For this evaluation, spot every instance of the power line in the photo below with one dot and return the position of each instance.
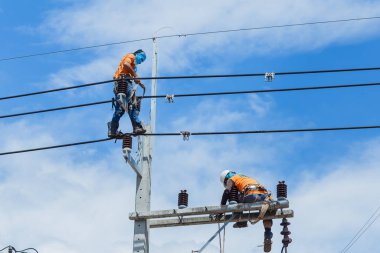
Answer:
(203, 134)
(322, 71)
(201, 94)
(190, 34)
(56, 146)
(54, 109)
(55, 90)
(362, 230)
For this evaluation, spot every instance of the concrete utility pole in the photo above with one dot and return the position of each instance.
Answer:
(144, 218)
(144, 168)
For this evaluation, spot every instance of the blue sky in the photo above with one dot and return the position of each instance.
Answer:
(59, 200)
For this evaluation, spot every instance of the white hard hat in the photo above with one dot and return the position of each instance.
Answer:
(223, 175)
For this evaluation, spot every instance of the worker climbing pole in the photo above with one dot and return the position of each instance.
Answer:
(125, 94)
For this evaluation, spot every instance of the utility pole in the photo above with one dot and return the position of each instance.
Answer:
(144, 166)
(144, 218)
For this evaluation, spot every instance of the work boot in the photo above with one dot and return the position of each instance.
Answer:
(112, 129)
(268, 241)
(138, 129)
(240, 224)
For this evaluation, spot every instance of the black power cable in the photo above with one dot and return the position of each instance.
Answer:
(206, 133)
(202, 94)
(199, 77)
(54, 109)
(190, 34)
(12, 249)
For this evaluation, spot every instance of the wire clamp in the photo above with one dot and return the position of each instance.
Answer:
(169, 98)
(269, 76)
(185, 135)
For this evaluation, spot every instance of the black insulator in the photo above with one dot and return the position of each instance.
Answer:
(10, 250)
(285, 232)
(282, 190)
(127, 141)
(285, 223)
(139, 104)
(183, 199)
(122, 86)
(234, 194)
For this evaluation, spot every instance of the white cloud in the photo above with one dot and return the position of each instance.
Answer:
(72, 201)
(260, 104)
(95, 21)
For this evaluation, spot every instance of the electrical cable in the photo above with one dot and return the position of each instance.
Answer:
(220, 240)
(55, 90)
(54, 109)
(20, 251)
(361, 231)
(188, 35)
(56, 146)
(322, 71)
(215, 234)
(204, 133)
(201, 94)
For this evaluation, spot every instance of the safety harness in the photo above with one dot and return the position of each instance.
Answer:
(266, 201)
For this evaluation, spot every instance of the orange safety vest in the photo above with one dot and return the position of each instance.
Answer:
(242, 182)
(131, 59)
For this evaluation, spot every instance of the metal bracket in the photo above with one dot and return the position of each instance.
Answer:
(169, 98)
(185, 135)
(269, 76)
(129, 159)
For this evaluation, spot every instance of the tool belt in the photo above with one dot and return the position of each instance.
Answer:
(254, 189)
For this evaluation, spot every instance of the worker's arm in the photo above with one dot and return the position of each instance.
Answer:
(230, 184)
(225, 197)
(133, 73)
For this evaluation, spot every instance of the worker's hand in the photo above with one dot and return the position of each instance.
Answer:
(137, 81)
(142, 86)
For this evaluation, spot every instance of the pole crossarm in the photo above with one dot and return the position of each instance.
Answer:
(210, 219)
(274, 205)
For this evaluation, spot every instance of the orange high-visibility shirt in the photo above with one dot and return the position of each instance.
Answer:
(242, 181)
(131, 59)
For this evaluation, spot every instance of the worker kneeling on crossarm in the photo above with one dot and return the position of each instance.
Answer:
(250, 191)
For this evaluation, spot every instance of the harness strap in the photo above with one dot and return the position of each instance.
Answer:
(253, 187)
(264, 209)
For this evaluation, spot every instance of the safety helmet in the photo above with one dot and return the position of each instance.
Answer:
(140, 56)
(223, 176)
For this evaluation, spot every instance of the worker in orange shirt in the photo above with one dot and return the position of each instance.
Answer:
(125, 93)
(250, 191)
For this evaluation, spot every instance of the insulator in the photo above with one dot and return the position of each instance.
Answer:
(285, 232)
(183, 199)
(282, 190)
(139, 104)
(122, 86)
(234, 197)
(127, 142)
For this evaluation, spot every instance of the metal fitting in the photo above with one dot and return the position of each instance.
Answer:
(269, 76)
(185, 135)
(169, 98)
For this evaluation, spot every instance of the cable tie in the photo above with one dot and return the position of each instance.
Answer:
(169, 98)
(269, 76)
(185, 135)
